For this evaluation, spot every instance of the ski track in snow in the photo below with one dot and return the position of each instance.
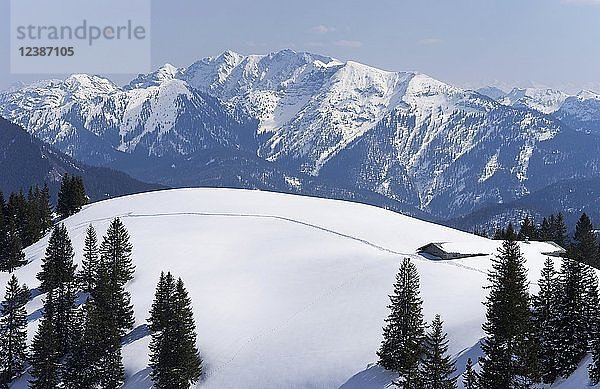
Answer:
(310, 225)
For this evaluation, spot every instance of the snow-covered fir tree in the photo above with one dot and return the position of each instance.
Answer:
(46, 350)
(116, 268)
(11, 248)
(510, 359)
(174, 357)
(585, 243)
(545, 315)
(58, 275)
(404, 332)
(89, 265)
(571, 325)
(13, 331)
(437, 369)
(470, 378)
(71, 196)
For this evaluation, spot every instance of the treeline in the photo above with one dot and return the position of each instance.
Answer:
(25, 219)
(529, 339)
(80, 346)
(553, 229)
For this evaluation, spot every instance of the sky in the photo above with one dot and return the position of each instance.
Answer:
(469, 43)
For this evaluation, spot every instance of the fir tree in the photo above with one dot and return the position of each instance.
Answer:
(499, 234)
(571, 326)
(71, 196)
(57, 266)
(591, 313)
(58, 278)
(78, 363)
(45, 355)
(174, 357)
(12, 256)
(108, 313)
(45, 207)
(510, 356)
(403, 334)
(585, 247)
(544, 231)
(160, 312)
(545, 315)
(437, 368)
(18, 212)
(470, 378)
(528, 230)
(560, 231)
(118, 269)
(13, 331)
(89, 266)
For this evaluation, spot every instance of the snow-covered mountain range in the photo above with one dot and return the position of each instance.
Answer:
(288, 291)
(406, 137)
(580, 111)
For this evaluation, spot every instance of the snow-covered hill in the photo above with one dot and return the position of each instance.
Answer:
(288, 291)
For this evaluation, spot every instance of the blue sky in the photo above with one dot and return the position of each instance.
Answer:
(469, 43)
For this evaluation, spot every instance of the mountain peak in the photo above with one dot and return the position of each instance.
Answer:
(166, 72)
(85, 85)
(588, 95)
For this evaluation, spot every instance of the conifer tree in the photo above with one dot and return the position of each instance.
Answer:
(585, 246)
(108, 313)
(12, 256)
(403, 333)
(437, 368)
(470, 377)
(3, 229)
(173, 354)
(57, 266)
(45, 355)
(510, 233)
(545, 315)
(552, 233)
(160, 312)
(509, 346)
(560, 231)
(79, 364)
(592, 314)
(13, 331)
(544, 232)
(71, 196)
(118, 269)
(57, 277)
(45, 207)
(573, 333)
(18, 212)
(89, 266)
(528, 230)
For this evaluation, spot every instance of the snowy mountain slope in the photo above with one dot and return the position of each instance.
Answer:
(581, 112)
(93, 120)
(403, 136)
(288, 291)
(26, 161)
(492, 92)
(544, 100)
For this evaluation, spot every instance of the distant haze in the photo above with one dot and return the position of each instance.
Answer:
(469, 43)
